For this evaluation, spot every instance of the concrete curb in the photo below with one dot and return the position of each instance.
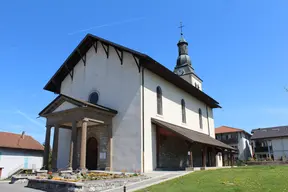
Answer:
(157, 182)
(121, 187)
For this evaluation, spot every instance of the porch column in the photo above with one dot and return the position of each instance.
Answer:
(191, 157)
(231, 158)
(55, 148)
(204, 157)
(213, 156)
(72, 144)
(83, 145)
(110, 132)
(47, 147)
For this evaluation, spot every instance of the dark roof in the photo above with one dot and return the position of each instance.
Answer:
(80, 103)
(16, 141)
(270, 132)
(145, 61)
(191, 135)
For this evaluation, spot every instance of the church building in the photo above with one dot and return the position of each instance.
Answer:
(118, 109)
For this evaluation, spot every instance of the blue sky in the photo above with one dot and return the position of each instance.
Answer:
(239, 49)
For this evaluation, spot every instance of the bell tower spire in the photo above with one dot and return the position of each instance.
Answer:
(183, 66)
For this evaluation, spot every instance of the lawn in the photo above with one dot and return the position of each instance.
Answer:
(248, 179)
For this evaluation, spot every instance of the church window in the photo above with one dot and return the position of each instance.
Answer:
(159, 101)
(200, 118)
(93, 98)
(183, 111)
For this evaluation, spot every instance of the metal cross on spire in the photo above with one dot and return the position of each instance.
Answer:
(181, 28)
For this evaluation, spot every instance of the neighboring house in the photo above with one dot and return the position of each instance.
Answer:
(236, 138)
(270, 142)
(119, 109)
(19, 151)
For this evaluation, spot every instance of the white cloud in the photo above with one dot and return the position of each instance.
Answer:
(34, 121)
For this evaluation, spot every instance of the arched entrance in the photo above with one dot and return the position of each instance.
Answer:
(91, 154)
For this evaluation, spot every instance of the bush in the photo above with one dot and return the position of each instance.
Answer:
(240, 163)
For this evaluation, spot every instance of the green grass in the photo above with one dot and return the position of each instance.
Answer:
(248, 179)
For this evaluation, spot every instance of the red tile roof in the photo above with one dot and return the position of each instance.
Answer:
(225, 129)
(12, 140)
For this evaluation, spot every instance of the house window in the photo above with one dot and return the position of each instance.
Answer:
(220, 156)
(183, 111)
(200, 118)
(93, 98)
(159, 101)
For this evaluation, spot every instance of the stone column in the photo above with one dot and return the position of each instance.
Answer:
(55, 148)
(204, 157)
(72, 144)
(83, 145)
(110, 133)
(47, 147)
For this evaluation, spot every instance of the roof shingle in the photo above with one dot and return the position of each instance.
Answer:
(225, 129)
(12, 140)
(191, 134)
(281, 131)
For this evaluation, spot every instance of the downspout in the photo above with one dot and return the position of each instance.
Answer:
(143, 118)
(208, 120)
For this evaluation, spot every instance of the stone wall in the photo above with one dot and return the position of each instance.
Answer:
(52, 186)
(101, 135)
(173, 152)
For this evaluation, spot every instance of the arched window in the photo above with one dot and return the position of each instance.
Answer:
(183, 111)
(200, 118)
(159, 101)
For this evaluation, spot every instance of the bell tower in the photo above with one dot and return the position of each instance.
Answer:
(183, 66)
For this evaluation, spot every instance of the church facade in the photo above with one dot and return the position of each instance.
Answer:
(118, 109)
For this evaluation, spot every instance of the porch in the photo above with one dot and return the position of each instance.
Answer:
(178, 148)
(90, 127)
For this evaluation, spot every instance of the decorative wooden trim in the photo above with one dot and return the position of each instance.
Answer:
(120, 55)
(70, 72)
(137, 63)
(95, 45)
(83, 57)
(105, 49)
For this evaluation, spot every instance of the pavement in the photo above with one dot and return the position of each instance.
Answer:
(6, 187)
(156, 177)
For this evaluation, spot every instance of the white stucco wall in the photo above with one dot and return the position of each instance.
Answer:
(197, 81)
(12, 160)
(219, 161)
(244, 147)
(64, 106)
(63, 148)
(119, 88)
(280, 147)
(192, 80)
(171, 103)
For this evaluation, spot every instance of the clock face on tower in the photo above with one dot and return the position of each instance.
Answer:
(180, 72)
